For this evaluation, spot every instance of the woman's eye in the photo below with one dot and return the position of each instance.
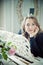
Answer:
(28, 24)
(33, 24)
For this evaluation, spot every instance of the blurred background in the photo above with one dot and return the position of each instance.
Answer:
(12, 13)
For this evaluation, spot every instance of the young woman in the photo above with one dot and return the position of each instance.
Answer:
(33, 32)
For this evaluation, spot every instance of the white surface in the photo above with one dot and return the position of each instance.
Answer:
(16, 60)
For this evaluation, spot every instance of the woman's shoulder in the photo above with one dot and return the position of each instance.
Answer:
(40, 34)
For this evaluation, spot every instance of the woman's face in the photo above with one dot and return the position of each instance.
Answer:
(30, 26)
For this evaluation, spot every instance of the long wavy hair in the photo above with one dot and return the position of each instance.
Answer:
(23, 25)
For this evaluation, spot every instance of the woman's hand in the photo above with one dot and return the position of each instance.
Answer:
(34, 33)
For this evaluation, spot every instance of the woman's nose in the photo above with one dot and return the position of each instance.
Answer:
(30, 27)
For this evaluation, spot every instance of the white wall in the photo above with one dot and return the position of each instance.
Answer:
(8, 17)
(41, 13)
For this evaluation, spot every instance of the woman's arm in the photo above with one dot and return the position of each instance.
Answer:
(34, 47)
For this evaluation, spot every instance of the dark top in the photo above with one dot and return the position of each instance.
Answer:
(36, 45)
